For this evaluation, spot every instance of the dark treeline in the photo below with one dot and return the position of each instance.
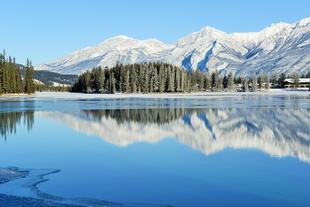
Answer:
(151, 115)
(144, 78)
(165, 78)
(11, 80)
(149, 78)
(10, 120)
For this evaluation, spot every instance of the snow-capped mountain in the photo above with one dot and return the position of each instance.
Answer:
(120, 49)
(279, 48)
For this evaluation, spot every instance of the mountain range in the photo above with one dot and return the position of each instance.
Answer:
(279, 48)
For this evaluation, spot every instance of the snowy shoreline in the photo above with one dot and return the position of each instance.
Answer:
(202, 95)
(16, 95)
(69, 95)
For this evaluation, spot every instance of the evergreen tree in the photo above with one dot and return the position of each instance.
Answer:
(146, 82)
(254, 84)
(112, 84)
(230, 81)
(260, 82)
(189, 84)
(214, 79)
(127, 85)
(264, 81)
(267, 86)
(170, 82)
(296, 80)
(245, 85)
(225, 81)
(219, 86)
(155, 80)
(134, 81)
(281, 80)
(29, 84)
(183, 81)
(177, 80)
(152, 79)
(208, 82)
(161, 79)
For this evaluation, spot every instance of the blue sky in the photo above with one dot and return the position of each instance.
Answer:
(45, 30)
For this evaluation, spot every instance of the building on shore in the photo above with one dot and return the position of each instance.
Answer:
(303, 83)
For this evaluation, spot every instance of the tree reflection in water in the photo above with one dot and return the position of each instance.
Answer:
(10, 120)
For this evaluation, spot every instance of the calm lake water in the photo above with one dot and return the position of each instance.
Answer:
(221, 151)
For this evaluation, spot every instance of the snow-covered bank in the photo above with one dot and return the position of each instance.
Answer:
(10, 95)
(67, 95)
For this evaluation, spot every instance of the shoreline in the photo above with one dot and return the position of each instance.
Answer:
(199, 95)
(16, 95)
(73, 95)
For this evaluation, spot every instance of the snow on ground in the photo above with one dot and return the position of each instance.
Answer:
(67, 95)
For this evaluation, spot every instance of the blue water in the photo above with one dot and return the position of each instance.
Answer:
(245, 151)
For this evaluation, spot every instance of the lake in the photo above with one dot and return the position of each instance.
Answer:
(185, 152)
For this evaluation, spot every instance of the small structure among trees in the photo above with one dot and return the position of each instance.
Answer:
(297, 82)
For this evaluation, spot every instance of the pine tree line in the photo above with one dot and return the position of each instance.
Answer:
(11, 80)
(150, 78)
(161, 77)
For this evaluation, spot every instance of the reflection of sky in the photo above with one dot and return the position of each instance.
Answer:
(164, 172)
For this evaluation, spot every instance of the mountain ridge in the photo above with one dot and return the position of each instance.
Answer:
(278, 48)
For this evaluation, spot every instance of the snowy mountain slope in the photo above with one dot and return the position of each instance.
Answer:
(117, 49)
(279, 48)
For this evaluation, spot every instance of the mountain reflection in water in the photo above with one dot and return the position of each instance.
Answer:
(277, 132)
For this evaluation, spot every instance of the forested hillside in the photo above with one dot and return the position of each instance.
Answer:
(48, 78)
